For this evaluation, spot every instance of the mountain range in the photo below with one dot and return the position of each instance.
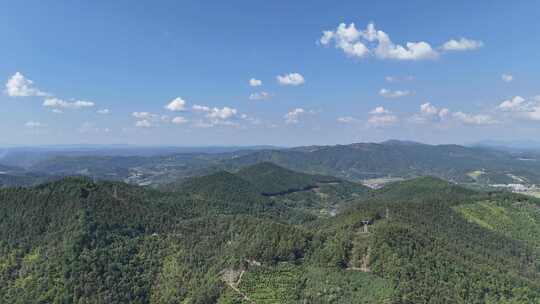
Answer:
(355, 162)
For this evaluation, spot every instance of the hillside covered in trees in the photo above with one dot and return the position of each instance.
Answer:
(266, 234)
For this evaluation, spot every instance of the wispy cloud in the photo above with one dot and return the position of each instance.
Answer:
(57, 103)
(462, 44)
(386, 93)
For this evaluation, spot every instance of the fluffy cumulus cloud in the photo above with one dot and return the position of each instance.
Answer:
(20, 86)
(462, 44)
(521, 108)
(379, 110)
(430, 113)
(259, 96)
(373, 42)
(291, 79)
(516, 103)
(34, 125)
(377, 43)
(223, 113)
(217, 116)
(59, 104)
(393, 94)
(346, 38)
(444, 117)
(255, 82)
(381, 117)
(176, 105)
(292, 117)
(507, 77)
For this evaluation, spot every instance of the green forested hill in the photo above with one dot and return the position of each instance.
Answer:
(217, 239)
(272, 179)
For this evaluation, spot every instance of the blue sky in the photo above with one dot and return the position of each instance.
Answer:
(178, 72)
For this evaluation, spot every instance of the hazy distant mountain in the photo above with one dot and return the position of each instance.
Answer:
(399, 159)
(403, 159)
(509, 145)
(29, 156)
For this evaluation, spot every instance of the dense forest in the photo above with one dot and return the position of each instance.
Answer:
(266, 234)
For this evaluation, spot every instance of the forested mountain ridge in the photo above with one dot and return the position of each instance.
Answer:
(218, 239)
(399, 159)
(355, 162)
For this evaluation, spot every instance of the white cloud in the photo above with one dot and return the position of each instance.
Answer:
(178, 120)
(430, 113)
(411, 51)
(199, 108)
(104, 111)
(143, 123)
(521, 108)
(379, 110)
(292, 116)
(375, 42)
(57, 103)
(462, 44)
(292, 79)
(514, 104)
(255, 82)
(381, 117)
(393, 94)
(252, 120)
(444, 113)
(478, 119)
(382, 120)
(428, 109)
(507, 77)
(177, 104)
(346, 38)
(259, 96)
(20, 86)
(218, 116)
(34, 125)
(347, 120)
(393, 79)
(223, 113)
(144, 115)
